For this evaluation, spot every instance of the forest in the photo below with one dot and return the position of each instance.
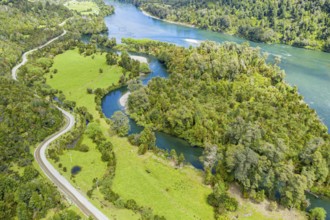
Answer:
(40, 24)
(25, 118)
(301, 23)
(255, 128)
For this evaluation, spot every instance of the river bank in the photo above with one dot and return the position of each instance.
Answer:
(141, 59)
(307, 69)
(168, 21)
(123, 99)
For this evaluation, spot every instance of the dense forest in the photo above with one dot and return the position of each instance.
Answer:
(25, 120)
(301, 23)
(255, 128)
(40, 24)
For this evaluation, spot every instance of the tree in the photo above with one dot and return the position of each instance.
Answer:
(125, 61)
(210, 156)
(147, 140)
(93, 131)
(144, 68)
(134, 85)
(111, 58)
(120, 123)
(181, 160)
(317, 213)
(272, 206)
(66, 215)
(29, 174)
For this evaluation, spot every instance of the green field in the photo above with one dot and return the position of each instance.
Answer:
(174, 193)
(76, 73)
(85, 7)
(169, 192)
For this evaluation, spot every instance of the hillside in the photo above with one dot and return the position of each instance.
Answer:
(301, 23)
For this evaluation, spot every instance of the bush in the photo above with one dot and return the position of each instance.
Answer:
(120, 123)
(144, 68)
(222, 202)
(83, 148)
(131, 204)
(105, 156)
(272, 206)
(260, 196)
(89, 91)
(317, 213)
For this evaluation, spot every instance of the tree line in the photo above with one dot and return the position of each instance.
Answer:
(255, 128)
(303, 23)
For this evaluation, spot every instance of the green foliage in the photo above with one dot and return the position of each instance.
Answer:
(120, 123)
(94, 131)
(66, 215)
(317, 214)
(147, 140)
(40, 23)
(83, 148)
(134, 85)
(131, 204)
(300, 23)
(222, 202)
(112, 58)
(103, 40)
(272, 206)
(20, 109)
(144, 68)
(227, 99)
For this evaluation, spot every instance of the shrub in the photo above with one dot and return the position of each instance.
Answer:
(317, 213)
(83, 148)
(131, 204)
(89, 91)
(272, 206)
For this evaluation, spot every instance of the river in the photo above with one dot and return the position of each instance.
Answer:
(308, 70)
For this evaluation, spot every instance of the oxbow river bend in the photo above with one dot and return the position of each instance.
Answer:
(309, 70)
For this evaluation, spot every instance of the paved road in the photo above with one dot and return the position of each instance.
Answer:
(40, 153)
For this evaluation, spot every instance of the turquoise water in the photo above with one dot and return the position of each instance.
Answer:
(308, 70)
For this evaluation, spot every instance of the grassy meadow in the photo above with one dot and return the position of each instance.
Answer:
(85, 7)
(169, 192)
(148, 179)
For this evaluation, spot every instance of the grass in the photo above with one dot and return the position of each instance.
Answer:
(176, 194)
(76, 73)
(150, 180)
(84, 7)
(92, 167)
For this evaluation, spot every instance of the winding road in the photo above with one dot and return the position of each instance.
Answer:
(40, 153)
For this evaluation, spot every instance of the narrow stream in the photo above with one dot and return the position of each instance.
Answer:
(110, 104)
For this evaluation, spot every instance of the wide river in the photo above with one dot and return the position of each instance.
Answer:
(308, 70)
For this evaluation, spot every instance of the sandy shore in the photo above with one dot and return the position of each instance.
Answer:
(168, 21)
(123, 99)
(139, 58)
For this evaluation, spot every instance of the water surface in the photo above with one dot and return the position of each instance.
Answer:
(309, 70)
